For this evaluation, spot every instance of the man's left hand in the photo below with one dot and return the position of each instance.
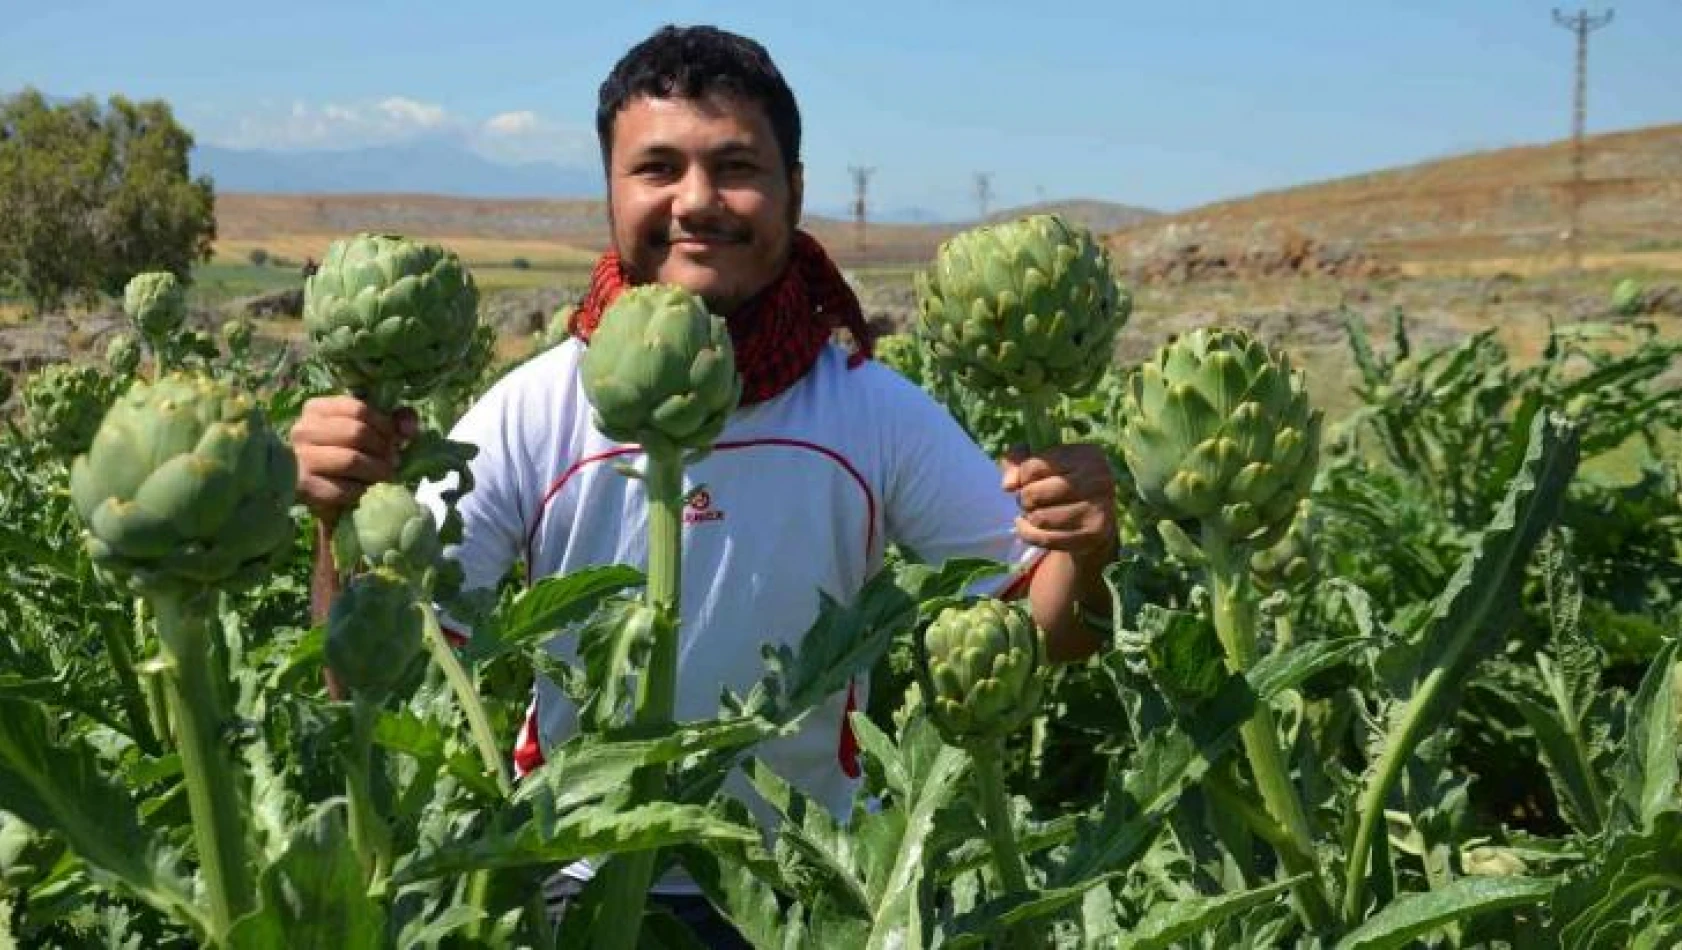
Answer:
(1067, 497)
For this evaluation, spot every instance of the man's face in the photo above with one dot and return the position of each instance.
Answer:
(698, 196)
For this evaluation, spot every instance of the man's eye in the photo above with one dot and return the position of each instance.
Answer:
(652, 169)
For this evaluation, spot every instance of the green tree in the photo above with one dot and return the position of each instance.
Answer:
(91, 196)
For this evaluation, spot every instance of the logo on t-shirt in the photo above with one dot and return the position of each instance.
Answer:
(699, 508)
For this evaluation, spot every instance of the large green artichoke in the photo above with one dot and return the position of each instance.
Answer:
(374, 634)
(63, 404)
(1031, 307)
(1217, 428)
(392, 318)
(660, 370)
(390, 529)
(156, 302)
(981, 664)
(185, 487)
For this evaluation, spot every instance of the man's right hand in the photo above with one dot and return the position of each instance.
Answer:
(344, 445)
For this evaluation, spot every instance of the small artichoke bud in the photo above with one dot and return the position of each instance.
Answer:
(1217, 428)
(981, 667)
(374, 634)
(63, 404)
(122, 355)
(394, 532)
(660, 370)
(1493, 862)
(1289, 563)
(156, 302)
(185, 487)
(392, 318)
(1030, 307)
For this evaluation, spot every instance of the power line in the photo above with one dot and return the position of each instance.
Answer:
(861, 186)
(1581, 24)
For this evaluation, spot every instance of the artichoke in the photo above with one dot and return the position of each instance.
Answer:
(391, 318)
(1217, 428)
(122, 355)
(393, 531)
(1031, 307)
(981, 665)
(1290, 562)
(156, 302)
(236, 333)
(660, 371)
(63, 404)
(185, 486)
(375, 634)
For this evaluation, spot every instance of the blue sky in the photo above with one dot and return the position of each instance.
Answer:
(1166, 105)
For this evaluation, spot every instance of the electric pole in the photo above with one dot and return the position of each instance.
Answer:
(983, 192)
(1581, 24)
(861, 185)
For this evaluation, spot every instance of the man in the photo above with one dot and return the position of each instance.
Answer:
(830, 457)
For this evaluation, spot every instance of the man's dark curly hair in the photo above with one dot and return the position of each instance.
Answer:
(691, 62)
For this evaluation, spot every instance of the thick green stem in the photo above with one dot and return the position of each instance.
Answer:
(1398, 746)
(215, 792)
(629, 875)
(119, 648)
(988, 762)
(1234, 608)
(1037, 424)
(368, 833)
(467, 699)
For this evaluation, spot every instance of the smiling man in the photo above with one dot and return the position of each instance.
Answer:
(830, 457)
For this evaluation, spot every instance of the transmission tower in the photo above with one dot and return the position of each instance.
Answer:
(1581, 24)
(983, 192)
(861, 185)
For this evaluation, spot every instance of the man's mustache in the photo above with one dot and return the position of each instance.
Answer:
(723, 236)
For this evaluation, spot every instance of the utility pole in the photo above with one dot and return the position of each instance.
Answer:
(861, 185)
(1581, 24)
(983, 192)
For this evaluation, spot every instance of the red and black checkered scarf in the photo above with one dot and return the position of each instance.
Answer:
(777, 334)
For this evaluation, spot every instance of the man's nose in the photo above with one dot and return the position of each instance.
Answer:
(696, 193)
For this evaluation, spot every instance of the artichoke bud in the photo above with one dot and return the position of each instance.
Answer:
(1217, 427)
(122, 355)
(156, 302)
(63, 404)
(1031, 307)
(660, 370)
(1289, 562)
(185, 486)
(392, 318)
(389, 529)
(236, 333)
(982, 669)
(374, 634)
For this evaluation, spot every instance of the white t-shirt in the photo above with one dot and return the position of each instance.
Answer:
(801, 494)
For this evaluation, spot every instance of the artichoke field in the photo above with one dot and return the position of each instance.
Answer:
(1408, 678)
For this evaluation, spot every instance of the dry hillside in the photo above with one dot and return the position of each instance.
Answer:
(1508, 203)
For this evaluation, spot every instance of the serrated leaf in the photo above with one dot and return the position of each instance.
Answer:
(589, 832)
(590, 766)
(995, 918)
(1647, 772)
(314, 895)
(549, 605)
(1277, 672)
(59, 786)
(613, 643)
(1170, 922)
(1414, 915)
(751, 905)
(828, 854)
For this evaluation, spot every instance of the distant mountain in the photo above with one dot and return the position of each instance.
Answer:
(1099, 217)
(423, 167)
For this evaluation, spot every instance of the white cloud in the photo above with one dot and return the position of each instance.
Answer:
(511, 123)
(517, 135)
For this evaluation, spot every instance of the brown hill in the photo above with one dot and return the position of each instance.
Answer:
(1504, 204)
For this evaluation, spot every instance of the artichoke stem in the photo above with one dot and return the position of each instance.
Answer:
(215, 796)
(1037, 425)
(1234, 609)
(368, 834)
(988, 761)
(467, 698)
(629, 875)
